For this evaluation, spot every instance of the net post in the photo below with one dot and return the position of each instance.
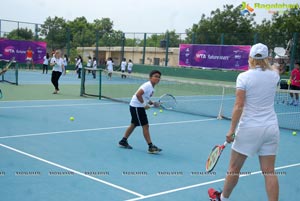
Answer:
(2, 79)
(220, 116)
(100, 84)
(17, 74)
(82, 90)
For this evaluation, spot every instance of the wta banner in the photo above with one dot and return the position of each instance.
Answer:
(229, 57)
(18, 48)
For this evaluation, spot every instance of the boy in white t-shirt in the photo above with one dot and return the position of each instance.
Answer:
(139, 103)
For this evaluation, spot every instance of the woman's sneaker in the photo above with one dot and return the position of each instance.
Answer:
(154, 149)
(214, 195)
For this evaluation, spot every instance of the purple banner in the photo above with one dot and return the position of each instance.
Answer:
(229, 57)
(18, 48)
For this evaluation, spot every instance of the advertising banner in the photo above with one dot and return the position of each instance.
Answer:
(18, 48)
(229, 57)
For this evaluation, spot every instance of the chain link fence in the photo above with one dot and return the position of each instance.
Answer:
(160, 49)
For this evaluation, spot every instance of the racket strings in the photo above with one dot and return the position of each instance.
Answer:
(213, 158)
(167, 101)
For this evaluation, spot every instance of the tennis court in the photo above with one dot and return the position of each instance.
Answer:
(45, 156)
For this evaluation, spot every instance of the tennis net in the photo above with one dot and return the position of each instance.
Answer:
(11, 75)
(193, 97)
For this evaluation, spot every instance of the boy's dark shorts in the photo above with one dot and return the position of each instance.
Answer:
(138, 116)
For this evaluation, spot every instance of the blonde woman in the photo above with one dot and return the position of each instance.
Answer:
(57, 63)
(254, 127)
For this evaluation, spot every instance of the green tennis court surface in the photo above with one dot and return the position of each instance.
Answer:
(45, 156)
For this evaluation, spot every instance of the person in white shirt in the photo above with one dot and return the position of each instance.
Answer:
(46, 63)
(110, 67)
(129, 66)
(58, 68)
(123, 68)
(254, 126)
(94, 67)
(89, 63)
(139, 103)
(79, 66)
(66, 59)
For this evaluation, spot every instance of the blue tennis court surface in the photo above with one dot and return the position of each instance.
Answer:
(48, 157)
(45, 156)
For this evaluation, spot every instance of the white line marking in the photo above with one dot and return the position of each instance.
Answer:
(28, 101)
(97, 129)
(60, 105)
(205, 183)
(71, 170)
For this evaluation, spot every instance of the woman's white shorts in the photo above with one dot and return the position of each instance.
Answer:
(262, 141)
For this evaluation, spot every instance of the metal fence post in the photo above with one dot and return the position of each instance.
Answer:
(144, 48)
(167, 49)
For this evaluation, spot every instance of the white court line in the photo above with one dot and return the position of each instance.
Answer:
(98, 129)
(71, 170)
(28, 101)
(285, 113)
(60, 105)
(205, 183)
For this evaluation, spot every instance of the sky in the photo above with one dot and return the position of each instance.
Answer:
(143, 16)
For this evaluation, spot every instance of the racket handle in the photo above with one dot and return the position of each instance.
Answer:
(225, 143)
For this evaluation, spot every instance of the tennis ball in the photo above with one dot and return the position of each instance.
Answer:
(289, 82)
(294, 133)
(160, 110)
(67, 71)
(72, 118)
(154, 113)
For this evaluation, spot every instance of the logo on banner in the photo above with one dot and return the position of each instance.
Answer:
(270, 8)
(9, 50)
(200, 55)
(246, 9)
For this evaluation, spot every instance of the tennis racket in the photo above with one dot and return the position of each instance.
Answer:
(167, 101)
(8, 64)
(214, 156)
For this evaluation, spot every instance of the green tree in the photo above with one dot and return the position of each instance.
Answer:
(237, 28)
(157, 39)
(174, 39)
(103, 25)
(154, 40)
(20, 34)
(133, 42)
(81, 32)
(278, 31)
(55, 32)
(287, 25)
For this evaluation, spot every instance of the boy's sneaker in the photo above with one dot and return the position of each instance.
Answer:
(292, 102)
(124, 144)
(214, 195)
(154, 149)
(296, 103)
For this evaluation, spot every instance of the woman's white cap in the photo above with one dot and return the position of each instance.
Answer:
(259, 51)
